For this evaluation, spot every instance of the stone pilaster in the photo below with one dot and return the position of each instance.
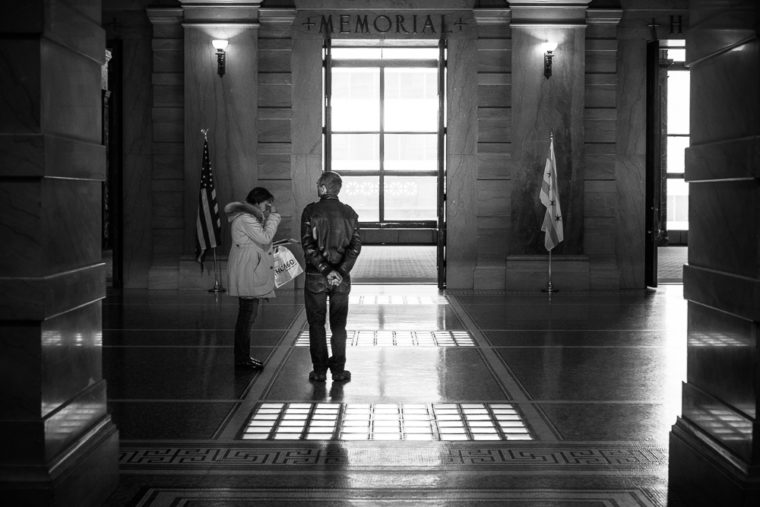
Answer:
(59, 444)
(167, 177)
(715, 445)
(275, 125)
(494, 149)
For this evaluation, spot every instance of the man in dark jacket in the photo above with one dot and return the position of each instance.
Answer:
(331, 243)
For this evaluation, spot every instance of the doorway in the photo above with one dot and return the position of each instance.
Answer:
(667, 139)
(111, 190)
(384, 132)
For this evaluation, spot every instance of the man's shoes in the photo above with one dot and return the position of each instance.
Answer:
(342, 376)
(317, 377)
(250, 364)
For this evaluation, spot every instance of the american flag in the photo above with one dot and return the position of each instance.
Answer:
(549, 196)
(208, 225)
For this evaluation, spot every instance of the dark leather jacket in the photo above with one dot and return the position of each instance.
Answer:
(330, 236)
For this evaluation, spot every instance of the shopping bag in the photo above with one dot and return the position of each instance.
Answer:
(286, 267)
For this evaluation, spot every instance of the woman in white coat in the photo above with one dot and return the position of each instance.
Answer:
(250, 265)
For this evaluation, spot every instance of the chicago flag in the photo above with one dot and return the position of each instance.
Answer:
(552, 226)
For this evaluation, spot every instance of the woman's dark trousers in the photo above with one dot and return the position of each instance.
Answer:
(247, 310)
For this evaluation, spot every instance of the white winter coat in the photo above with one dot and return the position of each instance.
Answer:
(250, 265)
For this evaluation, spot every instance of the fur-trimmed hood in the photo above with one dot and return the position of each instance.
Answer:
(235, 209)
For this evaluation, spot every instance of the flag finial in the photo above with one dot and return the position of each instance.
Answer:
(205, 134)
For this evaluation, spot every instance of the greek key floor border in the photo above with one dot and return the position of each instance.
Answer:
(408, 496)
(576, 458)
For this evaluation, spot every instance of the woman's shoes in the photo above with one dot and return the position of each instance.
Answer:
(250, 364)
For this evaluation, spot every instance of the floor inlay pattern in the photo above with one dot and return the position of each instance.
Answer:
(522, 456)
(399, 338)
(386, 421)
(405, 496)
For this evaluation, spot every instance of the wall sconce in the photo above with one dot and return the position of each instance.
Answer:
(548, 48)
(220, 45)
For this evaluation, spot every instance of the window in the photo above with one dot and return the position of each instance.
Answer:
(383, 128)
(676, 189)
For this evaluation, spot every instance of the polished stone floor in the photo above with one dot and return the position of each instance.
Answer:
(457, 398)
(670, 262)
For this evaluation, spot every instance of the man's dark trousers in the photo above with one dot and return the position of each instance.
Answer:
(316, 293)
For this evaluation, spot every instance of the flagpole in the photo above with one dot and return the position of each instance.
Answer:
(549, 289)
(218, 287)
(208, 229)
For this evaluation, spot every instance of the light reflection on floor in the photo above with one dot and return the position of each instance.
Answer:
(399, 338)
(386, 421)
(674, 347)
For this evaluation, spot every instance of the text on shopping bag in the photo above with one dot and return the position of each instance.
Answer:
(286, 267)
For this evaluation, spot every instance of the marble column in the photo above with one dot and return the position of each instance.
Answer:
(630, 163)
(461, 164)
(715, 444)
(226, 105)
(59, 444)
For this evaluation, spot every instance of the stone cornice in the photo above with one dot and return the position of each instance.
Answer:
(548, 4)
(221, 12)
(220, 3)
(158, 15)
(604, 16)
(277, 15)
(492, 16)
(558, 12)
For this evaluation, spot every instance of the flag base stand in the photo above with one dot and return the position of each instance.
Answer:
(549, 288)
(218, 287)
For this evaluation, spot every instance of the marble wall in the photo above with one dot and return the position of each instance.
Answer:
(709, 465)
(226, 105)
(59, 443)
(594, 102)
(541, 107)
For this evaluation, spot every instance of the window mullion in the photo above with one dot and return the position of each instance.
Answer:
(327, 73)
(381, 189)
